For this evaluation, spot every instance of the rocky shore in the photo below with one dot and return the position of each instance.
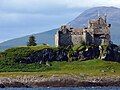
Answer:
(58, 81)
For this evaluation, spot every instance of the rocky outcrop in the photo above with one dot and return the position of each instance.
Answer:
(57, 81)
(88, 53)
(47, 55)
(112, 53)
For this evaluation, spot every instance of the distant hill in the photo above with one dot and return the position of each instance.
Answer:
(45, 37)
(113, 16)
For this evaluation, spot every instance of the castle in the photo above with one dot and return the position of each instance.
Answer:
(96, 33)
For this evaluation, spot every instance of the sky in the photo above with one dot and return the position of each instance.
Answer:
(23, 17)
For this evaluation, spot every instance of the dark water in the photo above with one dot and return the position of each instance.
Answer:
(65, 88)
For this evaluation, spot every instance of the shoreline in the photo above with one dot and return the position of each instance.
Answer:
(56, 81)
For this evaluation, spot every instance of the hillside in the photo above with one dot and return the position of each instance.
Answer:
(113, 16)
(50, 60)
(91, 68)
(90, 73)
(40, 38)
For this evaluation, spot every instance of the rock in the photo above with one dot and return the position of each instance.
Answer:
(47, 55)
(102, 71)
(59, 81)
(15, 84)
(48, 64)
(113, 53)
(2, 86)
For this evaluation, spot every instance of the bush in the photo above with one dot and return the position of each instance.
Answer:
(79, 47)
(32, 41)
(12, 54)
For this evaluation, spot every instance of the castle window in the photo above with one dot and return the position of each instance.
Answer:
(74, 33)
(109, 25)
(81, 33)
(101, 29)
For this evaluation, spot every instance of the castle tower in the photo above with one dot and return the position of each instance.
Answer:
(57, 39)
(84, 35)
(105, 18)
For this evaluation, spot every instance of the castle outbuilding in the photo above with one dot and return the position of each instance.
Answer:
(96, 33)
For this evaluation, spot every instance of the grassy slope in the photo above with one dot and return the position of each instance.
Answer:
(86, 68)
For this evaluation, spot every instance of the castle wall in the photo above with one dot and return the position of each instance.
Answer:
(89, 38)
(65, 40)
(98, 40)
(68, 39)
(57, 39)
(77, 39)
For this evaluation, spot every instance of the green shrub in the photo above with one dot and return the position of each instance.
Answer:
(20, 51)
(17, 54)
(78, 47)
(40, 47)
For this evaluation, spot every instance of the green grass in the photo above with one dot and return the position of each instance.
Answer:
(39, 47)
(86, 68)
(78, 47)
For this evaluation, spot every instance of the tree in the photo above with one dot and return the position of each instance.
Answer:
(32, 41)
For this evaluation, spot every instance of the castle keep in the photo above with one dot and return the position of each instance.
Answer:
(96, 33)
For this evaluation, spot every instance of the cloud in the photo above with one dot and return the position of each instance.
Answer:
(31, 6)
(22, 17)
(92, 3)
(38, 6)
(27, 13)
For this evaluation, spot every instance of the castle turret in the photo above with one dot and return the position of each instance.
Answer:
(84, 35)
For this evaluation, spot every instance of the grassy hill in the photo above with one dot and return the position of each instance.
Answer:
(93, 67)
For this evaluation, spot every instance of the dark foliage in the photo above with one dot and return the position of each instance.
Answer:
(32, 41)
(45, 55)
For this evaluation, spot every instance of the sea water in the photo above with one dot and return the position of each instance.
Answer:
(65, 88)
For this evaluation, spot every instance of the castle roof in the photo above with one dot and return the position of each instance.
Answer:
(78, 30)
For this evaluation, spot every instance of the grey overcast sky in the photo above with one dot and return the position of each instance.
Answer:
(23, 17)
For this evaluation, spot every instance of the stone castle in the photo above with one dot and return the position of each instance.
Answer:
(96, 33)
